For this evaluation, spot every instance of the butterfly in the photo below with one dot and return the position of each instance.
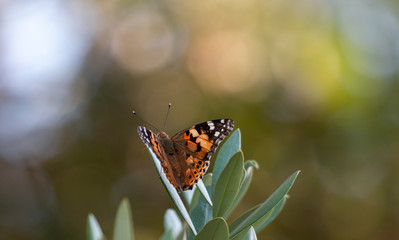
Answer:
(186, 156)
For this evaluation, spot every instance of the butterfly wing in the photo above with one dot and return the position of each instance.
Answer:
(198, 143)
(152, 142)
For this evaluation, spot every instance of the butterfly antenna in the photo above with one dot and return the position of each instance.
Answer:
(167, 114)
(134, 112)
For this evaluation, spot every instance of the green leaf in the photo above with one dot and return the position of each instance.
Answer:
(204, 192)
(174, 196)
(251, 163)
(247, 177)
(229, 148)
(167, 235)
(216, 229)
(201, 211)
(188, 195)
(228, 185)
(172, 223)
(264, 213)
(261, 223)
(207, 180)
(93, 229)
(251, 234)
(274, 213)
(123, 228)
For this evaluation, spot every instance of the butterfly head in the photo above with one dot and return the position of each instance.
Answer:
(162, 136)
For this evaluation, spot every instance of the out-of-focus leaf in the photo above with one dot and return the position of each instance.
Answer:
(216, 229)
(251, 234)
(123, 228)
(229, 148)
(251, 164)
(247, 177)
(264, 213)
(228, 185)
(93, 229)
(167, 235)
(201, 211)
(174, 196)
(172, 223)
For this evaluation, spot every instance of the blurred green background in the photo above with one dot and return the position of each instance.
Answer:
(313, 85)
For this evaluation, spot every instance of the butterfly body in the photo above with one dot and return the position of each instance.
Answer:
(166, 143)
(186, 156)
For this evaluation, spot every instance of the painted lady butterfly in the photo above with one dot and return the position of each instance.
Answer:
(185, 157)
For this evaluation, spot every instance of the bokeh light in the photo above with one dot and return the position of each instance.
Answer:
(43, 50)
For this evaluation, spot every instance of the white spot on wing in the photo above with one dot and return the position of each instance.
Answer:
(222, 121)
(217, 134)
(211, 125)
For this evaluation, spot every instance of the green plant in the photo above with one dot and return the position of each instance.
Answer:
(123, 228)
(210, 203)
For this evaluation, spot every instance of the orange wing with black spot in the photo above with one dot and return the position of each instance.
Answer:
(198, 143)
(189, 158)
